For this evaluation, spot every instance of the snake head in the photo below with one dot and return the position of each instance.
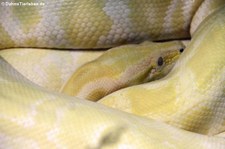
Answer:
(122, 67)
(165, 59)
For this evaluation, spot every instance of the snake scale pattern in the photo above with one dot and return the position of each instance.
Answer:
(112, 74)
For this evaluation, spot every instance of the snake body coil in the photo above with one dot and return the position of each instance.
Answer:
(185, 109)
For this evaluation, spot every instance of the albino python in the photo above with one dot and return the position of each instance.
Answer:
(185, 109)
(113, 70)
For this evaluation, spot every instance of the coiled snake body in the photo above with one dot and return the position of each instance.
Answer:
(185, 109)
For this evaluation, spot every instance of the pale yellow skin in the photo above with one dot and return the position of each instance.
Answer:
(112, 71)
(192, 96)
(46, 67)
(34, 117)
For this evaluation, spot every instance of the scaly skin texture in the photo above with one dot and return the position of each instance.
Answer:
(190, 98)
(33, 117)
(194, 88)
(94, 23)
(46, 67)
(122, 67)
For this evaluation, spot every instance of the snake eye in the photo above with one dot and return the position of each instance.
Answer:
(160, 61)
(181, 50)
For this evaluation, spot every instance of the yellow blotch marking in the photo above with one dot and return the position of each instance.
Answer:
(148, 18)
(82, 77)
(196, 120)
(84, 23)
(30, 41)
(28, 16)
(5, 40)
(145, 102)
(177, 20)
(87, 56)
(97, 94)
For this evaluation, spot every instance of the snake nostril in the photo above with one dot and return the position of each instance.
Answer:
(181, 50)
